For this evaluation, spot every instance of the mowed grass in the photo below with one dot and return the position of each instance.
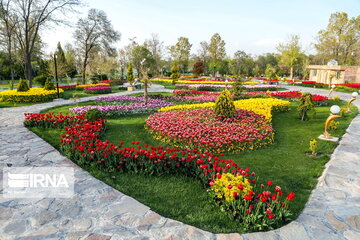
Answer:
(285, 163)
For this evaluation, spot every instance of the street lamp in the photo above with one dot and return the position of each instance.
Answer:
(331, 90)
(353, 98)
(335, 109)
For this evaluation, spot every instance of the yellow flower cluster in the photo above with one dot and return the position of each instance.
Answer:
(198, 82)
(81, 86)
(261, 106)
(229, 185)
(33, 95)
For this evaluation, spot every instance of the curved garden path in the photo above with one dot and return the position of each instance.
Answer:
(97, 211)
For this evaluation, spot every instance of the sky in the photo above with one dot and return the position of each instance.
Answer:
(253, 26)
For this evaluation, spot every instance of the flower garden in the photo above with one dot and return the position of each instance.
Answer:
(249, 172)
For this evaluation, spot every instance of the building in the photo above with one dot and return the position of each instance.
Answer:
(334, 74)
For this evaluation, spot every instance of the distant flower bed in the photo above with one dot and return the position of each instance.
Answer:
(123, 110)
(82, 86)
(219, 87)
(68, 87)
(194, 93)
(98, 90)
(202, 129)
(190, 81)
(296, 94)
(33, 95)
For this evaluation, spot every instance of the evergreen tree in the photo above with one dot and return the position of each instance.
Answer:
(130, 74)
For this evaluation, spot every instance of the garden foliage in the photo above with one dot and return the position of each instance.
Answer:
(224, 105)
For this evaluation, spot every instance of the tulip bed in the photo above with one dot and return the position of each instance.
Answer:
(178, 192)
(98, 89)
(81, 142)
(261, 106)
(123, 110)
(33, 95)
(200, 128)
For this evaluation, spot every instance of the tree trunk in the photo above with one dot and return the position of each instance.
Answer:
(291, 73)
(84, 69)
(11, 65)
(28, 69)
(145, 91)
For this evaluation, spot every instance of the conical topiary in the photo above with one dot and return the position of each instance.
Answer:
(224, 105)
(23, 86)
(49, 85)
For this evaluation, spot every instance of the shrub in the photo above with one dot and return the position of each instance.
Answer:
(224, 105)
(306, 105)
(23, 86)
(336, 99)
(237, 89)
(49, 85)
(93, 114)
(313, 146)
(175, 72)
(41, 79)
(130, 76)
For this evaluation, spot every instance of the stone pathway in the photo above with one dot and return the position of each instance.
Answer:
(97, 211)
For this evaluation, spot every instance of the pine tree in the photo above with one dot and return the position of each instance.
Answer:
(224, 105)
(175, 72)
(130, 74)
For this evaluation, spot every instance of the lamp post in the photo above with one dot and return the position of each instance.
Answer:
(335, 109)
(331, 90)
(353, 98)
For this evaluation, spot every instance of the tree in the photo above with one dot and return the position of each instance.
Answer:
(242, 64)
(181, 52)
(156, 48)
(203, 54)
(122, 61)
(29, 18)
(129, 74)
(340, 40)
(7, 31)
(291, 56)
(175, 72)
(62, 67)
(263, 60)
(71, 61)
(94, 33)
(270, 72)
(138, 55)
(198, 68)
(217, 48)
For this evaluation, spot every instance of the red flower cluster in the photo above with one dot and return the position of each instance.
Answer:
(50, 120)
(68, 87)
(296, 94)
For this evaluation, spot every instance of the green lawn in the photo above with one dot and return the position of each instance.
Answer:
(184, 199)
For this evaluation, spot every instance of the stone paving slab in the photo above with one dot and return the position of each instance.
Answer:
(97, 211)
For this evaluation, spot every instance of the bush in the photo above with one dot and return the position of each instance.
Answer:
(237, 89)
(23, 86)
(306, 105)
(224, 105)
(49, 85)
(41, 79)
(93, 115)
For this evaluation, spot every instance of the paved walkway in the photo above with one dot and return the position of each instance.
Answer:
(97, 211)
